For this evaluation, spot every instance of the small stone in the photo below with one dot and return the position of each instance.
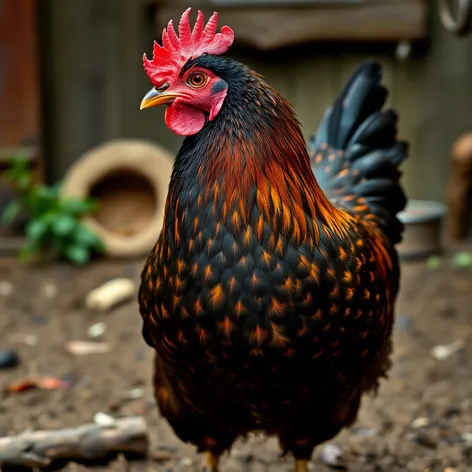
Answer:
(332, 455)
(186, 462)
(160, 456)
(103, 419)
(134, 394)
(446, 309)
(424, 439)
(403, 50)
(140, 355)
(452, 411)
(365, 432)
(6, 288)
(467, 437)
(39, 319)
(97, 330)
(420, 422)
(444, 351)
(467, 454)
(9, 359)
(405, 322)
(50, 290)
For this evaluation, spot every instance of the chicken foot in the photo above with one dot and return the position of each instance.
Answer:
(301, 465)
(212, 461)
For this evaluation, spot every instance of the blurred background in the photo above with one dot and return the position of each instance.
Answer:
(86, 173)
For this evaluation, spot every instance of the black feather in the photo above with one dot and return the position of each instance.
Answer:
(368, 166)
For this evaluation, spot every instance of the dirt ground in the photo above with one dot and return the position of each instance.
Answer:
(421, 421)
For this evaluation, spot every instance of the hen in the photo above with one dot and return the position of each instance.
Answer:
(269, 296)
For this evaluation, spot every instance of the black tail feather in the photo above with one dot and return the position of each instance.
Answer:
(355, 151)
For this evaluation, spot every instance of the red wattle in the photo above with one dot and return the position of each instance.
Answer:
(184, 119)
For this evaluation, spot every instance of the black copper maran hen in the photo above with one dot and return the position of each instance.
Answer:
(269, 296)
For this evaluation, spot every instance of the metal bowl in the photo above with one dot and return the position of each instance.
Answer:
(423, 220)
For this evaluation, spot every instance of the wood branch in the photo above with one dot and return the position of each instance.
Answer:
(267, 28)
(88, 442)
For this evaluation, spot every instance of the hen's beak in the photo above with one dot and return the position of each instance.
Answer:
(154, 98)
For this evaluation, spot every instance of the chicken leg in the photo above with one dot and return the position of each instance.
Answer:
(301, 465)
(212, 462)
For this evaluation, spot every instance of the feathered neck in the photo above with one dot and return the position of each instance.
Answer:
(255, 139)
(254, 149)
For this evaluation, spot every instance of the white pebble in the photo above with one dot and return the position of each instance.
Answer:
(103, 419)
(467, 437)
(331, 455)
(403, 50)
(420, 422)
(186, 461)
(444, 351)
(50, 290)
(135, 393)
(6, 288)
(97, 330)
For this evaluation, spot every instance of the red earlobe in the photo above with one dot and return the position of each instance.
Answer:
(218, 100)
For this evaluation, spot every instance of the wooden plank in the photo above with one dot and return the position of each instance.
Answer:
(275, 68)
(19, 87)
(84, 80)
(314, 84)
(20, 129)
(431, 90)
(10, 246)
(434, 99)
(269, 28)
(7, 154)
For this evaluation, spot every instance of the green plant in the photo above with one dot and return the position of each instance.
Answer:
(54, 226)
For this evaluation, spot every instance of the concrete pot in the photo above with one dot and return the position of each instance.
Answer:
(423, 220)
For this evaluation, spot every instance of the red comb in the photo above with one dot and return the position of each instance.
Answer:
(175, 51)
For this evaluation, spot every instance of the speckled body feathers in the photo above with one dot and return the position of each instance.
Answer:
(269, 307)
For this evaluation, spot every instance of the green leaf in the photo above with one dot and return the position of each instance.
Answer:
(79, 207)
(24, 182)
(54, 222)
(434, 262)
(462, 260)
(28, 251)
(85, 236)
(17, 169)
(99, 246)
(64, 225)
(11, 211)
(36, 229)
(45, 193)
(77, 254)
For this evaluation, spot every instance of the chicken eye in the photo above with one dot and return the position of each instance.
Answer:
(197, 80)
